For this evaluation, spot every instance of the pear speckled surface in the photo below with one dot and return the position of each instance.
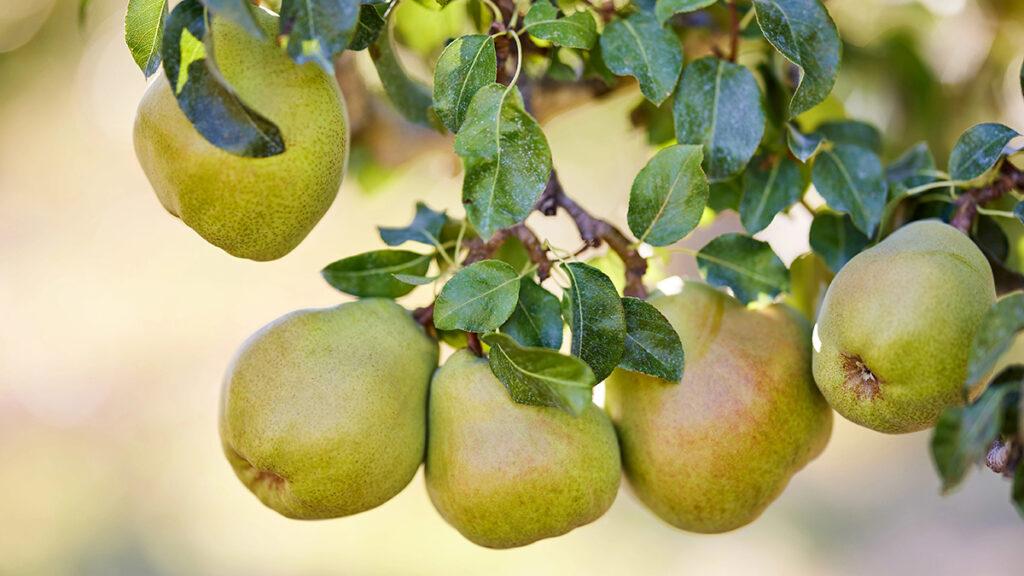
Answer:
(896, 327)
(256, 208)
(507, 474)
(323, 412)
(709, 453)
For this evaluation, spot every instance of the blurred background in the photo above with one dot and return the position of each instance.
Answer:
(117, 322)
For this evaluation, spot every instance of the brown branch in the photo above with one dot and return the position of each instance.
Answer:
(734, 31)
(1010, 177)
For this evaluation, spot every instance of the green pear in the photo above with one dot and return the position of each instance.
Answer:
(709, 453)
(323, 412)
(507, 474)
(257, 208)
(896, 326)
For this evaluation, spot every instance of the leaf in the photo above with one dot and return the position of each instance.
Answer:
(537, 319)
(425, 228)
(411, 98)
(83, 12)
(369, 26)
(1001, 324)
(576, 30)
(913, 168)
(851, 180)
(652, 344)
(665, 9)
(143, 31)
(638, 46)
(852, 132)
(770, 185)
(978, 149)
(803, 146)
(668, 195)
(746, 265)
(507, 160)
(809, 278)
(596, 318)
(372, 274)
(212, 107)
(804, 33)
(963, 434)
(541, 377)
(725, 195)
(415, 280)
(318, 30)
(467, 64)
(478, 298)
(836, 239)
(239, 12)
(719, 105)
(1018, 211)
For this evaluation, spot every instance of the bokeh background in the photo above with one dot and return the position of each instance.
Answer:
(117, 322)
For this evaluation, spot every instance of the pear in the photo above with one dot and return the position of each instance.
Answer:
(896, 326)
(507, 474)
(709, 453)
(256, 208)
(323, 412)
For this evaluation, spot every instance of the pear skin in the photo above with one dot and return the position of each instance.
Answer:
(323, 412)
(256, 208)
(709, 453)
(507, 474)
(896, 327)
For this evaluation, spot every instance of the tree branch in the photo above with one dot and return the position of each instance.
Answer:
(967, 204)
(734, 31)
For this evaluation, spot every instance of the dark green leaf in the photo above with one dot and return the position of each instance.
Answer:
(913, 168)
(372, 274)
(746, 265)
(638, 46)
(770, 185)
(318, 30)
(596, 318)
(478, 298)
(368, 27)
(665, 9)
(995, 335)
(836, 239)
(238, 11)
(852, 132)
(537, 319)
(212, 107)
(507, 159)
(803, 32)
(411, 98)
(467, 64)
(143, 32)
(668, 195)
(803, 146)
(425, 228)
(719, 105)
(540, 376)
(652, 344)
(577, 30)
(978, 149)
(1018, 211)
(851, 180)
(725, 195)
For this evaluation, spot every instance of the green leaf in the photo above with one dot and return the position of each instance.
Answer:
(238, 11)
(725, 195)
(596, 318)
(1001, 324)
(372, 274)
(425, 228)
(803, 146)
(415, 280)
(719, 105)
(143, 31)
(576, 30)
(652, 344)
(369, 26)
(537, 319)
(851, 180)
(83, 12)
(978, 149)
(852, 132)
(638, 46)
(212, 107)
(804, 33)
(318, 30)
(540, 376)
(836, 239)
(771, 184)
(410, 97)
(748, 266)
(963, 434)
(665, 9)
(1018, 211)
(668, 195)
(913, 168)
(507, 160)
(809, 278)
(478, 298)
(467, 64)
